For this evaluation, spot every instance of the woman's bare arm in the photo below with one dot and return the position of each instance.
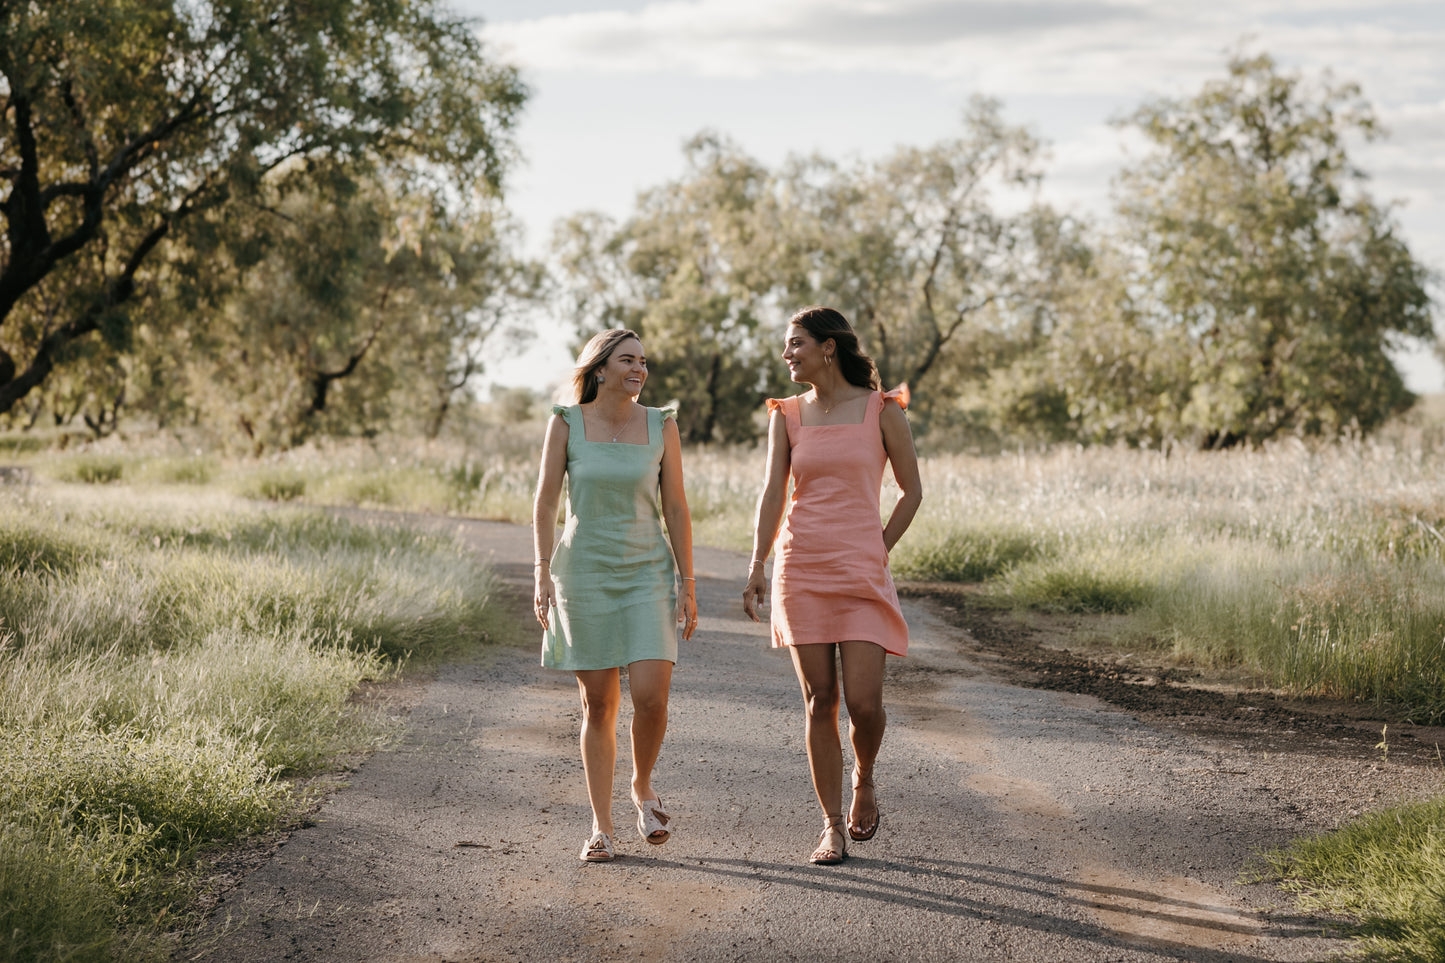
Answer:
(771, 503)
(679, 521)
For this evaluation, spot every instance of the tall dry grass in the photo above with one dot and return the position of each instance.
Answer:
(1314, 567)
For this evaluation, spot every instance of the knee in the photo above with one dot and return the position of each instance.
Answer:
(599, 709)
(649, 703)
(822, 704)
(867, 714)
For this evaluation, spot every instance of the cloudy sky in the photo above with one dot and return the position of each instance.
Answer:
(618, 86)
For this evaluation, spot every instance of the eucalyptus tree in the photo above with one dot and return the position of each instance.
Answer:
(692, 270)
(910, 247)
(914, 247)
(1264, 264)
(122, 121)
(347, 314)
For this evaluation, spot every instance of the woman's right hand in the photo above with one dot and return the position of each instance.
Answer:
(755, 592)
(542, 596)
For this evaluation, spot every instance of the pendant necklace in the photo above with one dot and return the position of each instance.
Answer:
(616, 434)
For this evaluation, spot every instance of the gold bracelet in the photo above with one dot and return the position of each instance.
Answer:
(759, 561)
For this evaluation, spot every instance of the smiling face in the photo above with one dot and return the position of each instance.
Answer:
(626, 368)
(804, 354)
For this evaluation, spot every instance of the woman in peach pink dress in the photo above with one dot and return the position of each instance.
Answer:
(834, 603)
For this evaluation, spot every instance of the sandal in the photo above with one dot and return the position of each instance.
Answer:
(832, 844)
(860, 831)
(598, 848)
(652, 821)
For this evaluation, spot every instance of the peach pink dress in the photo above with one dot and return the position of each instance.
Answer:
(831, 581)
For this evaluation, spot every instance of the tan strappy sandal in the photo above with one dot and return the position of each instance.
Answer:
(860, 831)
(832, 844)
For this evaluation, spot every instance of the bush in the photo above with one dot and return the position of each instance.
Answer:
(89, 469)
(273, 486)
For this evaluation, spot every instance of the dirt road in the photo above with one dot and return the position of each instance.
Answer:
(1018, 823)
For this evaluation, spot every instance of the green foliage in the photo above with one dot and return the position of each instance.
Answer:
(689, 273)
(974, 553)
(494, 483)
(273, 485)
(708, 268)
(34, 546)
(1261, 289)
(914, 252)
(189, 470)
(52, 906)
(355, 310)
(139, 138)
(171, 791)
(1387, 870)
(1086, 582)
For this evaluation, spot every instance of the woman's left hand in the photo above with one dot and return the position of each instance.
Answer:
(687, 610)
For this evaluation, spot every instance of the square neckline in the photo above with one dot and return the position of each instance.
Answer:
(867, 411)
(634, 444)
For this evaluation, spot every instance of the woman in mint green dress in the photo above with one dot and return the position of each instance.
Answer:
(607, 597)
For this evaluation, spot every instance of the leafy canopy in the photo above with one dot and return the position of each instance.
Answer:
(122, 119)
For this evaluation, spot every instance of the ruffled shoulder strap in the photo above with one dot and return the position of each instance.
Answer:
(572, 415)
(900, 395)
(668, 411)
(788, 406)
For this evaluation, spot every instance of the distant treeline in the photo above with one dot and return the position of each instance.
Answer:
(265, 228)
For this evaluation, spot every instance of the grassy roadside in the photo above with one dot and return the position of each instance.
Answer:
(1312, 570)
(170, 663)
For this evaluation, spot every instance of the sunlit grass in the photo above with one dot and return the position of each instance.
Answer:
(1316, 570)
(169, 659)
(1386, 870)
(1248, 558)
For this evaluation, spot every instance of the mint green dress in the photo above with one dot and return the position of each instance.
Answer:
(616, 593)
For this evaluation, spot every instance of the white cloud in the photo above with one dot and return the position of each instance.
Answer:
(1028, 45)
(748, 37)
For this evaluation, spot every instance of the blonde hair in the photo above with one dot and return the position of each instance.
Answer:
(596, 354)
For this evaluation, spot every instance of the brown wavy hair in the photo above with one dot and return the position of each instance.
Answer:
(596, 354)
(853, 362)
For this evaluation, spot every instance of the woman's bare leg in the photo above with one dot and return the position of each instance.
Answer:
(817, 675)
(863, 694)
(649, 682)
(601, 691)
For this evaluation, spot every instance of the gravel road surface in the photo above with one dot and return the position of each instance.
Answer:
(1018, 823)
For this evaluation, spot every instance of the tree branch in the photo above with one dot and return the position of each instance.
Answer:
(321, 381)
(117, 292)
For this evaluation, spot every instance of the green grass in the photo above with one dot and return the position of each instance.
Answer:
(1386, 870)
(170, 660)
(88, 469)
(64, 912)
(1315, 569)
(966, 553)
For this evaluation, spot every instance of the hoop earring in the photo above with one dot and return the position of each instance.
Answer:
(828, 360)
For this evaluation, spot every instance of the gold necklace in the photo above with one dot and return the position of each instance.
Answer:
(827, 409)
(626, 424)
